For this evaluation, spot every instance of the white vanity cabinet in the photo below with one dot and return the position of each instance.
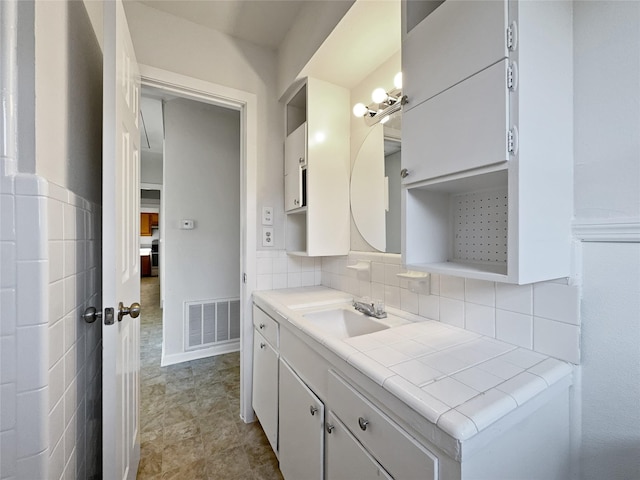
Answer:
(487, 139)
(295, 162)
(301, 450)
(346, 458)
(317, 163)
(265, 374)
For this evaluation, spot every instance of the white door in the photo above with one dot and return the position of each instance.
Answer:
(120, 249)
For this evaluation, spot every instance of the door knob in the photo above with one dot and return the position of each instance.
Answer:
(363, 423)
(404, 173)
(133, 310)
(313, 410)
(91, 314)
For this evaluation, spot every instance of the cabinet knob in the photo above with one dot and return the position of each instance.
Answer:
(295, 202)
(313, 410)
(363, 423)
(404, 173)
(262, 344)
(330, 429)
(301, 160)
(261, 326)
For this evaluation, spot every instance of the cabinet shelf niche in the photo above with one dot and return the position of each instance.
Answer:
(459, 226)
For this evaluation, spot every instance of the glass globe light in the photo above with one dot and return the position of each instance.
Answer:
(360, 109)
(379, 95)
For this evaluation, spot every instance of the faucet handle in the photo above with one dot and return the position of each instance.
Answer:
(378, 306)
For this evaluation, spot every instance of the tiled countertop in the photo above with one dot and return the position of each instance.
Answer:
(458, 380)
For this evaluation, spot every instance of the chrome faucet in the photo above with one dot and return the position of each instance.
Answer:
(371, 309)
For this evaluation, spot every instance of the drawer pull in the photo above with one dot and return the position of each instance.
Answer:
(261, 326)
(262, 345)
(330, 429)
(363, 423)
(313, 410)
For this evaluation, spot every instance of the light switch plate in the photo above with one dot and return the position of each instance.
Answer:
(267, 215)
(187, 224)
(267, 236)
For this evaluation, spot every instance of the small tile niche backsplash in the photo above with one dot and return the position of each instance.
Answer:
(544, 317)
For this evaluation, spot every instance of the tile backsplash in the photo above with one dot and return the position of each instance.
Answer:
(544, 317)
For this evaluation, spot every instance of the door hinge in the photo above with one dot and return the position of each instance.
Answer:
(512, 36)
(244, 278)
(512, 140)
(512, 76)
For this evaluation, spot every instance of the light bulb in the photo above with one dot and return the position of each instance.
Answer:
(360, 109)
(379, 95)
(397, 80)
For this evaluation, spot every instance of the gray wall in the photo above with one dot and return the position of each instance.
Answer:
(202, 183)
(607, 189)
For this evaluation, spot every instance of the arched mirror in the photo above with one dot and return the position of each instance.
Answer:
(375, 187)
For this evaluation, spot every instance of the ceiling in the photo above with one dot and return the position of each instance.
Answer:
(368, 34)
(263, 22)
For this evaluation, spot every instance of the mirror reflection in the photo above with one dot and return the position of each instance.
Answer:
(375, 187)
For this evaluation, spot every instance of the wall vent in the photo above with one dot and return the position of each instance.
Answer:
(212, 322)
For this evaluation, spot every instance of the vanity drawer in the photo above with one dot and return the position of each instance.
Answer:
(266, 325)
(397, 452)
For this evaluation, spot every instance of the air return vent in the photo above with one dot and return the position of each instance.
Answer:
(212, 322)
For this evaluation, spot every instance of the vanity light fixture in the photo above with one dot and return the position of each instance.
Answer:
(384, 103)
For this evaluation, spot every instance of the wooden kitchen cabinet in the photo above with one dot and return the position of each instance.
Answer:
(147, 222)
(487, 142)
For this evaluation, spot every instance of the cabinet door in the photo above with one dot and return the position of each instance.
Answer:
(301, 425)
(154, 219)
(346, 457)
(145, 224)
(457, 40)
(463, 128)
(265, 387)
(295, 158)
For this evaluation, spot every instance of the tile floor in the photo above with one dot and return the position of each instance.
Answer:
(189, 413)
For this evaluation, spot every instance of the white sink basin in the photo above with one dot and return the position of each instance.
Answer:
(344, 322)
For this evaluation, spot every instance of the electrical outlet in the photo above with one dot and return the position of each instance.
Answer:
(267, 236)
(267, 215)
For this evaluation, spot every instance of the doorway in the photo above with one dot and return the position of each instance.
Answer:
(169, 83)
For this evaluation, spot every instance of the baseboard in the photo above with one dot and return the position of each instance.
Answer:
(200, 353)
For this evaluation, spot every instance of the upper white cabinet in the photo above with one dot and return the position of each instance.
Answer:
(487, 139)
(317, 169)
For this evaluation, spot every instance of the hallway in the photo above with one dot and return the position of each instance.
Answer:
(189, 413)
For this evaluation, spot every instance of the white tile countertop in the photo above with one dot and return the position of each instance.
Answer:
(460, 381)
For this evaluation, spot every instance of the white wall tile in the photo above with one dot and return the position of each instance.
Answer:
(434, 284)
(390, 275)
(557, 339)
(557, 302)
(294, 279)
(56, 383)
(56, 342)
(8, 359)
(56, 424)
(392, 296)
(9, 318)
(70, 292)
(279, 280)
(7, 214)
(56, 301)
(307, 278)
(32, 416)
(279, 265)
(452, 311)
(33, 292)
(377, 291)
(8, 411)
(515, 298)
(480, 319)
(514, 328)
(409, 301)
(452, 287)
(429, 306)
(31, 228)
(55, 219)
(32, 368)
(8, 453)
(480, 291)
(56, 461)
(364, 288)
(56, 260)
(377, 272)
(8, 262)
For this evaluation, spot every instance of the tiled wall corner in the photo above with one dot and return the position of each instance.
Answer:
(23, 329)
(75, 355)
(276, 269)
(544, 317)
